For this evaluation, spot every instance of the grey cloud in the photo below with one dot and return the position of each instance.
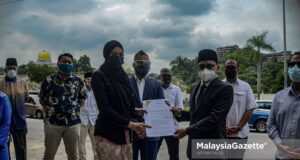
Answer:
(188, 8)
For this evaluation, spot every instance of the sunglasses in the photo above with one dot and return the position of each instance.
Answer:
(208, 66)
(292, 64)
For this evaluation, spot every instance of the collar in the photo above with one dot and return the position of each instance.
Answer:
(137, 79)
(10, 79)
(170, 86)
(207, 84)
(292, 92)
(235, 83)
(61, 78)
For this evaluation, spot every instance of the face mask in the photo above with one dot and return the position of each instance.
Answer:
(65, 68)
(206, 75)
(294, 73)
(11, 73)
(115, 61)
(142, 70)
(230, 73)
(167, 80)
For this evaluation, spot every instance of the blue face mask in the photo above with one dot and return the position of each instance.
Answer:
(65, 68)
(294, 73)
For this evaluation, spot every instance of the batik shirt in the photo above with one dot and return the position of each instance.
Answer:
(62, 99)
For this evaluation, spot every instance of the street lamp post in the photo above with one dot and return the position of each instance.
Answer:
(284, 47)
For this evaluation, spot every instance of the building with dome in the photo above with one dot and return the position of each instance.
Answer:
(44, 57)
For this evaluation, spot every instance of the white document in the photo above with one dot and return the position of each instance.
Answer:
(159, 117)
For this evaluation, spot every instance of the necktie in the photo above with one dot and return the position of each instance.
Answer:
(200, 93)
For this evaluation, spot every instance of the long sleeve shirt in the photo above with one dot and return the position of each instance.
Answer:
(284, 120)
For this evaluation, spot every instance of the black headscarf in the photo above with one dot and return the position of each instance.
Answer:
(117, 74)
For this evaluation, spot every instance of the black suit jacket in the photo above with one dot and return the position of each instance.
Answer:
(208, 119)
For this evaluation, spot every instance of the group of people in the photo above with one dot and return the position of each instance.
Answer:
(107, 106)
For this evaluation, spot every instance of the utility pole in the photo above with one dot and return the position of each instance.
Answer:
(284, 47)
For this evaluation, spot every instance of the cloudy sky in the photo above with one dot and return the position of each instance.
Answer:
(162, 28)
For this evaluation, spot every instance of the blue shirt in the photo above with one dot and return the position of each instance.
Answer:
(284, 120)
(5, 117)
(62, 98)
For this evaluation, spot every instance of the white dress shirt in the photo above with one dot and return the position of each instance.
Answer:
(141, 86)
(243, 101)
(89, 111)
(174, 96)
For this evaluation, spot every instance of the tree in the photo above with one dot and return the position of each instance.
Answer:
(255, 45)
(38, 73)
(84, 64)
(128, 70)
(22, 69)
(184, 71)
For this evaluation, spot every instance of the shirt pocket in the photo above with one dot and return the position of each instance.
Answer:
(240, 99)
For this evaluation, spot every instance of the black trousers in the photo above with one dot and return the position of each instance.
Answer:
(173, 146)
(19, 139)
(238, 153)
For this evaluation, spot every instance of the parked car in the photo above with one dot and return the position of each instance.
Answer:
(33, 106)
(259, 118)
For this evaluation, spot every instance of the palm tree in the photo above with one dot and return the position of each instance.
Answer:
(254, 45)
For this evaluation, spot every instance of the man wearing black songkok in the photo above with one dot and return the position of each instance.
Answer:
(210, 103)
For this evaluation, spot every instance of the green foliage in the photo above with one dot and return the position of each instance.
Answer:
(185, 71)
(37, 72)
(83, 64)
(2, 72)
(22, 69)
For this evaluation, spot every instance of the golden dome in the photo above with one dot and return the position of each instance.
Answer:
(44, 56)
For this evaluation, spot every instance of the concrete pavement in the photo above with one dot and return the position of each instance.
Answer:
(35, 145)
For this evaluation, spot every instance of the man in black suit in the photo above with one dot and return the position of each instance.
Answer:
(210, 103)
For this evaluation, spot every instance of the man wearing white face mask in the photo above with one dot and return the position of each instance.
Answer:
(210, 103)
(17, 91)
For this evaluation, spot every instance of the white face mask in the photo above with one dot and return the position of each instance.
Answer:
(11, 73)
(207, 75)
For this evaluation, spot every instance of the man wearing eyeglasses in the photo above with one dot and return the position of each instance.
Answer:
(210, 103)
(17, 91)
(284, 120)
(145, 88)
(241, 110)
(88, 116)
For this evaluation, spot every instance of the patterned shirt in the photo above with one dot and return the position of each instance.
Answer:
(62, 99)
(17, 91)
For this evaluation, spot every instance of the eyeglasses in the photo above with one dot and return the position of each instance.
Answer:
(292, 64)
(166, 75)
(208, 66)
(142, 62)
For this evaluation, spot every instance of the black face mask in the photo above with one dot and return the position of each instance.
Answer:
(230, 73)
(142, 70)
(166, 79)
(115, 61)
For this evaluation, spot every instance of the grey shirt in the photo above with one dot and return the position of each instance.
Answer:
(284, 121)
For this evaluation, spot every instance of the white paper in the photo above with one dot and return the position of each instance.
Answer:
(159, 117)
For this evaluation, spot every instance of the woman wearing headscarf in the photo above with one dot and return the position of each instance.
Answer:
(115, 100)
(5, 118)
